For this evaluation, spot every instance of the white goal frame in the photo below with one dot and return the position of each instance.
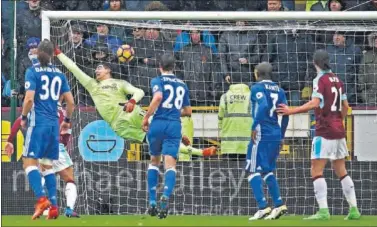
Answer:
(201, 15)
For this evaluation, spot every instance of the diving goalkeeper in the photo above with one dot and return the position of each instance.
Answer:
(126, 121)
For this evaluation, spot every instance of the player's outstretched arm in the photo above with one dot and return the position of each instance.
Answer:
(137, 95)
(82, 77)
(285, 110)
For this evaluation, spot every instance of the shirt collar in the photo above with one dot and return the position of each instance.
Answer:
(163, 74)
(323, 72)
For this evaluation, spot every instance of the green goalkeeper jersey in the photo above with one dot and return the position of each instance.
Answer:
(107, 94)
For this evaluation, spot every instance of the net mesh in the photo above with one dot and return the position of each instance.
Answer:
(218, 185)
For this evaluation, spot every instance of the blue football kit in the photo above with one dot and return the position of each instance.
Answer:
(42, 136)
(262, 153)
(264, 150)
(164, 135)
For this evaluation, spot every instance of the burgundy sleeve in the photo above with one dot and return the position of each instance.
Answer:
(64, 139)
(13, 132)
(61, 116)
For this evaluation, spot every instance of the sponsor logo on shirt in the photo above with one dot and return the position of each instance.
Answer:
(110, 87)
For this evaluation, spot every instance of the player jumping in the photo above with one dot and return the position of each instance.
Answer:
(267, 137)
(170, 102)
(107, 93)
(63, 166)
(331, 106)
(44, 85)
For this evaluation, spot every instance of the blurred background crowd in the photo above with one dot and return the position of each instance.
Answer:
(208, 61)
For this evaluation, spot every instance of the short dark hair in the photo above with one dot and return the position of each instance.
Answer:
(105, 65)
(322, 59)
(167, 62)
(45, 52)
(264, 70)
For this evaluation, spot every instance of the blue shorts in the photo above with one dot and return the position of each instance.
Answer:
(164, 137)
(261, 156)
(42, 142)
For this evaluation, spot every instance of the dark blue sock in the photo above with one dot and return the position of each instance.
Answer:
(50, 182)
(273, 189)
(170, 175)
(256, 183)
(152, 177)
(35, 181)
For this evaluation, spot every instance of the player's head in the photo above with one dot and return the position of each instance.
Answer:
(263, 71)
(45, 52)
(167, 63)
(321, 60)
(103, 71)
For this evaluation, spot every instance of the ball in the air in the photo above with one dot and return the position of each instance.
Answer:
(125, 53)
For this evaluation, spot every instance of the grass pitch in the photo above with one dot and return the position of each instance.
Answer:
(137, 220)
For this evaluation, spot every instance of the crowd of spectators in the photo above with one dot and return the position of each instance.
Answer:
(207, 61)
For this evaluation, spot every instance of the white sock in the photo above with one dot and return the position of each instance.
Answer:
(349, 191)
(71, 194)
(320, 190)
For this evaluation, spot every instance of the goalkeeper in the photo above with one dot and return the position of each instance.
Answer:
(126, 121)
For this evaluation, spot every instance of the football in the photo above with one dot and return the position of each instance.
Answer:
(125, 53)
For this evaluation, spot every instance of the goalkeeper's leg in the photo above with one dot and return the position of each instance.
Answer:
(348, 188)
(187, 149)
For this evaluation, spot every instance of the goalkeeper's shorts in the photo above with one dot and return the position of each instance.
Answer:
(128, 125)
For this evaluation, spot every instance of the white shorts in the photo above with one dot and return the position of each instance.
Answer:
(329, 149)
(64, 160)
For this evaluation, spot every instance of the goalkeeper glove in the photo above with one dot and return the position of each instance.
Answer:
(57, 51)
(129, 106)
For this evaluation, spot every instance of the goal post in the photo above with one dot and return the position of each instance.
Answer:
(46, 16)
(112, 179)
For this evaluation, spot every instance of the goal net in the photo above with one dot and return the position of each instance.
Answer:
(111, 172)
